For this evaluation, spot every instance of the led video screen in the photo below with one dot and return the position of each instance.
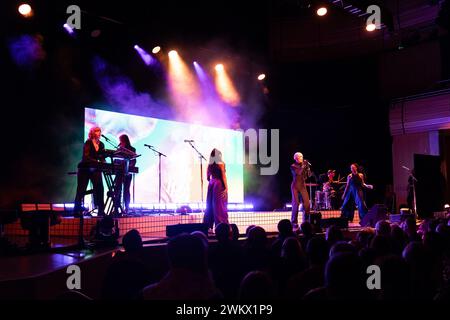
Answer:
(180, 170)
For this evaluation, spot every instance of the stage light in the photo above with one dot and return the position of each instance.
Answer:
(225, 86)
(184, 90)
(156, 49)
(25, 10)
(173, 54)
(371, 27)
(261, 77)
(148, 59)
(322, 11)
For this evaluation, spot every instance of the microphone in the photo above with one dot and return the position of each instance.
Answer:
(147, 145)
(188, 140)
(106, 138)
(406, 168)
(308, 162)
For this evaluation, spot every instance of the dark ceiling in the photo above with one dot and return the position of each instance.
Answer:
(297, 33)
(281, 29)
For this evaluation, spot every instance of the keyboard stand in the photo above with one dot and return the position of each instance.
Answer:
(112, 204)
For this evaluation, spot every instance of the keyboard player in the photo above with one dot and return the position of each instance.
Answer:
(93, 154)
(123, 181)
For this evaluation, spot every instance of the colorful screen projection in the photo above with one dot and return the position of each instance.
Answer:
(180, 170)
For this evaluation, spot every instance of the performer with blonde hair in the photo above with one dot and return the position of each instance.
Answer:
(93, 152)
(300, 172)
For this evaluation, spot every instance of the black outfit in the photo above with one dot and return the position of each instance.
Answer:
(125, 182)
(410, 193)
(299, 174)
(354, 195)
(87, 171)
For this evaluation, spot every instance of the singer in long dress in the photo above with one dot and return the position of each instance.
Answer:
(354, 194)
(217, 196)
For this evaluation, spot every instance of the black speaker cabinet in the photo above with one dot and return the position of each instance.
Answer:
(376, 213)
(338, 222)
(175, 229)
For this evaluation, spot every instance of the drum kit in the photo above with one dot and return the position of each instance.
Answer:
(329, 197)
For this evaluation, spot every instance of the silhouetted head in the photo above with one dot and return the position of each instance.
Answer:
(223, 232)
(257, 237)
(292, 249)
(383, 228)
(247, 231)
(132, 241)
(344, 276)
(368, 256)
(410, 226)
(364, 236)
(397, 232)
(334, 234)
(342, 246)
(307, 229)
(398, 239)
(256, 285)
(433, 224)
(381, 245)
(284, 228)
(415, 253)
(186, 251)
(201, 236)
(442, 229)
(317, 251)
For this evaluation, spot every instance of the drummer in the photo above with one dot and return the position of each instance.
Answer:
(330, 181)
(331, 187)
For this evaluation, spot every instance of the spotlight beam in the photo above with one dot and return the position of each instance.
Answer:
(147, 58)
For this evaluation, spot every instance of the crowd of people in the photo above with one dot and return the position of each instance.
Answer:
(414, 262)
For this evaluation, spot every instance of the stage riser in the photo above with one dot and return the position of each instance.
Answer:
(157, 223)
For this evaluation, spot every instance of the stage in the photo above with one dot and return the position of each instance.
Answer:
(152, 226)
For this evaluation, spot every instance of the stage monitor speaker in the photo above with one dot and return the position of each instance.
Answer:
(398, 218)
(175, 229)
(338, 222)
(376, 213)
(314, 218)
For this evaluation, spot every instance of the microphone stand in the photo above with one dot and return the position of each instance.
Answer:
(201, 157)
(414, 180)
(112, 144)
(159, 170)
